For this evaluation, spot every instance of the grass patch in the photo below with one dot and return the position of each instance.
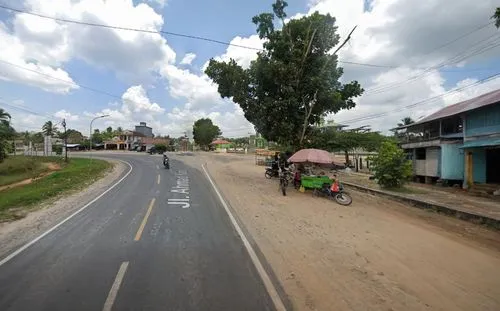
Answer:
(73, 175)
(18, 168)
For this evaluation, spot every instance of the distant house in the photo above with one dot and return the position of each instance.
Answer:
(459, 143)
(220, 145)
(128, 140)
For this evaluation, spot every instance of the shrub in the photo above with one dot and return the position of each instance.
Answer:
(58, 149)
(161, 148)
(392, 168)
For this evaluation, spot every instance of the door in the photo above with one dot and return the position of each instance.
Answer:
(493, 166)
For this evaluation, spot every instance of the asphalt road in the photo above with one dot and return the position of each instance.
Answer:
(160, 240)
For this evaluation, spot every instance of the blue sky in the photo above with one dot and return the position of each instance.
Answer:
(149, 84)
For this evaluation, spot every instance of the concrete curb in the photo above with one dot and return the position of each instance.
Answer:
(440, 208)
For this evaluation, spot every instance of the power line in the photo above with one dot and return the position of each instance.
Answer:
(64, 20)
(474, 50)
(425, 101)
(25, 110)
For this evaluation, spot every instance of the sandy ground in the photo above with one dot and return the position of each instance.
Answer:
(373, 255)
(16, 233)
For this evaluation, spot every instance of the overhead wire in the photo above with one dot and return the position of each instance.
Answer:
(170, 33)
(422, 102)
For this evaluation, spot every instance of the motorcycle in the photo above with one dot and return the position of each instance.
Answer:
(271, 172)
(166, 163)
(335, 192)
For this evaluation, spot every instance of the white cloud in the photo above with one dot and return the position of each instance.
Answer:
(197, 90)
(135, 100)
(131, 55)
(409, 36)
(242, 56)
(15, 56)
(188, 59)
(63, 114)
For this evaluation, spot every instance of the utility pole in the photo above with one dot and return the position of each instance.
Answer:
(65, 141)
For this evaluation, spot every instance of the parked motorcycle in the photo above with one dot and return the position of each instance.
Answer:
(334, 192)
(272, 172)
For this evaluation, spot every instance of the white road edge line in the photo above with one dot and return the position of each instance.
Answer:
(273, 293)
(113, 292)
(38, 238)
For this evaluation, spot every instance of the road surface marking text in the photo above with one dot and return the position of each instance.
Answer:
(145, 220)
(181, 190)
(273, 293)
(41, 236)
(159, 178)
(157, 167)
(115, 287)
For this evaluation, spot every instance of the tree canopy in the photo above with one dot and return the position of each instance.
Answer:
(294, 81)
(204, 132)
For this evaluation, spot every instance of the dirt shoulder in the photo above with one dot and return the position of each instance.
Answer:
(376, 254)
(16, 233)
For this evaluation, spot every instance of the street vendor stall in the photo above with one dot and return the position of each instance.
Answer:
(308, 163)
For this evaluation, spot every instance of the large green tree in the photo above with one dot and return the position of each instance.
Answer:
(496, 17)
(204, 132)
(294, 81)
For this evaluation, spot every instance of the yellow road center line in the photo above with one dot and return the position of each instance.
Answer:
(144, 221)
(108, 305)
(158, 181)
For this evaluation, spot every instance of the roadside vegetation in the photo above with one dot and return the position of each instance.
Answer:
(55, 177)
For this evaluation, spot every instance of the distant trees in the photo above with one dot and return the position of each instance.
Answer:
(347, 141)
(204, 132)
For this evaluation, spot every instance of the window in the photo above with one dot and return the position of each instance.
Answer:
(420, 154)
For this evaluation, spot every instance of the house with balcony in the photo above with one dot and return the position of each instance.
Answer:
(127, 140)
(459, 144)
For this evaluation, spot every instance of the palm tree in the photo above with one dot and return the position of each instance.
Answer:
(406, 121)
(49, 128)
(4, 117)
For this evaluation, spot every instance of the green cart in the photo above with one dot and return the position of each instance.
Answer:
(315, 182)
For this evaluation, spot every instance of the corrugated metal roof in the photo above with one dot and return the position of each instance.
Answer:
(474, 103)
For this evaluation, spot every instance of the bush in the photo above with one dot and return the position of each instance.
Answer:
(58, 149)
(160, 148)
(392, 168)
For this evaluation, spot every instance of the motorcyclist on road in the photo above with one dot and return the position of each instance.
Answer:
(165, 159)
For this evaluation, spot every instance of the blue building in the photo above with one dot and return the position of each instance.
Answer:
(459, 143)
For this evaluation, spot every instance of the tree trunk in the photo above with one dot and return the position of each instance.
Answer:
(346, 153)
